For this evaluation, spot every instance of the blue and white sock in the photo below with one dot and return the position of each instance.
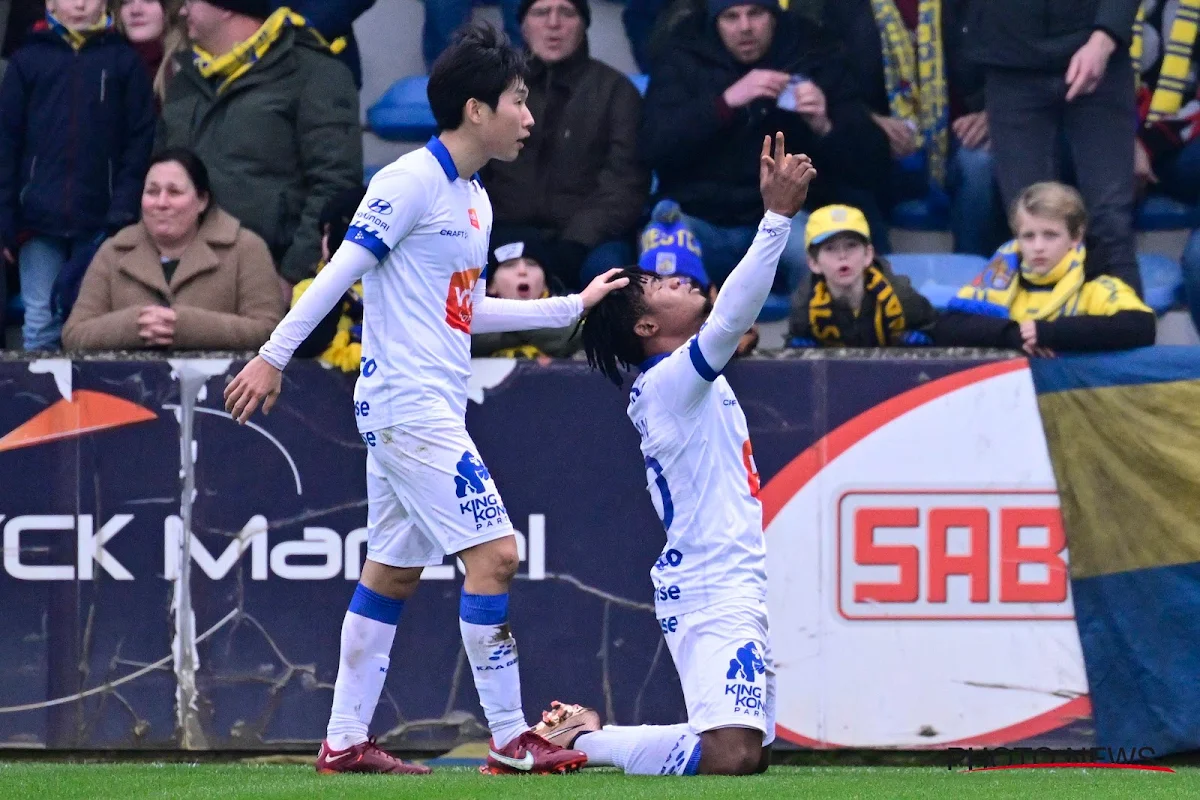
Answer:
(643, 749)
(492, 653)
(367, 635)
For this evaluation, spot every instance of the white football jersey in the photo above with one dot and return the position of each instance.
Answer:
(429, 227)
(701, 476)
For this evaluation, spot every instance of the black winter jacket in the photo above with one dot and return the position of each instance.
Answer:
(706, 155)
(1042, 35)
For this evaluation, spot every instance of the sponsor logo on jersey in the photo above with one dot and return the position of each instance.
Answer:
(481, 502)
(460, 307)
(380, 206)
(746, 664)
(474, 218)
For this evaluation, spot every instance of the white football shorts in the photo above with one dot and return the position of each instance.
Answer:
(723, 656)
(428, 495)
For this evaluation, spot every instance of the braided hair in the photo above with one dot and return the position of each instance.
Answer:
(609, 340)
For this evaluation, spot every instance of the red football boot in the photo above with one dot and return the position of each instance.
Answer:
(530, 754)
(365, 757)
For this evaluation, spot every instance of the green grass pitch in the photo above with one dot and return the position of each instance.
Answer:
(50, 781)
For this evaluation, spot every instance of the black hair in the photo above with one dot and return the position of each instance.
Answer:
(338, 212)
(609, 339)
(193, 166)
(480, 64)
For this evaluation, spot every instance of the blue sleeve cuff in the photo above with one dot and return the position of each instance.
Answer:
(366, 238)
(708, 373)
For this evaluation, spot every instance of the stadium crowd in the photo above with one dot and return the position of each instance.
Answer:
(174, 172)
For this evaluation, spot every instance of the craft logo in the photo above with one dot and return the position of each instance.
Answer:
(460, 307)
(925, 554)
(991, 759)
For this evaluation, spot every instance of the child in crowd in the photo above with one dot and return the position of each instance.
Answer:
(670, 248)
(76, 129)
(517, 270)
(852, 298)
(1034, 295)
(337, 339)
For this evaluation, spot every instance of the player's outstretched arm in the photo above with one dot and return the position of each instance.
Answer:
(260, 381)
(783, 181)
(498, 315)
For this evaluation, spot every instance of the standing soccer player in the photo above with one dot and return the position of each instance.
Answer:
(419, 244)
(710, 583)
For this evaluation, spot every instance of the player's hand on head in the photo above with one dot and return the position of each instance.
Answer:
(784, 177)
(258, 382)
(601, 285)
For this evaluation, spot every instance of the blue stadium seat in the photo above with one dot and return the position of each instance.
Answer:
(642, 82)
(402, 114)
(777, 307)
(1162, 281)
(1160, 213)
(938, 276)
(919, 215)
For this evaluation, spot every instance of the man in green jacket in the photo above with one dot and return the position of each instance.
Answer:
(274, 117)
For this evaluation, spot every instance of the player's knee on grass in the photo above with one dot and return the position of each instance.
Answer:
(398, 583)
(764, 762)
(490, 566)
(731, 751)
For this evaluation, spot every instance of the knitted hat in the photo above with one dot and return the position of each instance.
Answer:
(717, 7)
(510, 243)
(259, 9)
(580, 5)
(670, 248)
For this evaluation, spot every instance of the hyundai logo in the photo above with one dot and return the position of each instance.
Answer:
(380, 207)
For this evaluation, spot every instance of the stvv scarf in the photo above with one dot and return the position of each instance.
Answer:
(245, 55)
(1172, 84)
(916, 81)
(999, 292)
(78, 38)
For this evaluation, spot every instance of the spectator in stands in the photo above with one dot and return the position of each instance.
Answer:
(187, 277)
(1036, 296)
(337, 339)
(1056, 69)
(76, 128)
(578, 180)
(728, 79)
(335, 20)
(274, 117)
(516, 272)
(670, 248)
(444, 17)
(144, 23)
(929, 102)
(1167, 154)
(852, 298)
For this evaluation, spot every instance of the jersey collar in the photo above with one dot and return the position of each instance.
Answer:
(435, 146)
(651, 361)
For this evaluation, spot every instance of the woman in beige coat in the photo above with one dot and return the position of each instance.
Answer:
(187, 277)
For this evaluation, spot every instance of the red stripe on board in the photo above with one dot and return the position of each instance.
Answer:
(1079, 765)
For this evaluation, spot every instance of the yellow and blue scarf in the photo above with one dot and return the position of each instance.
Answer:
(238, 61)
(916, 81)
(77, 38)
(1009, 288)
(1168, 95)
